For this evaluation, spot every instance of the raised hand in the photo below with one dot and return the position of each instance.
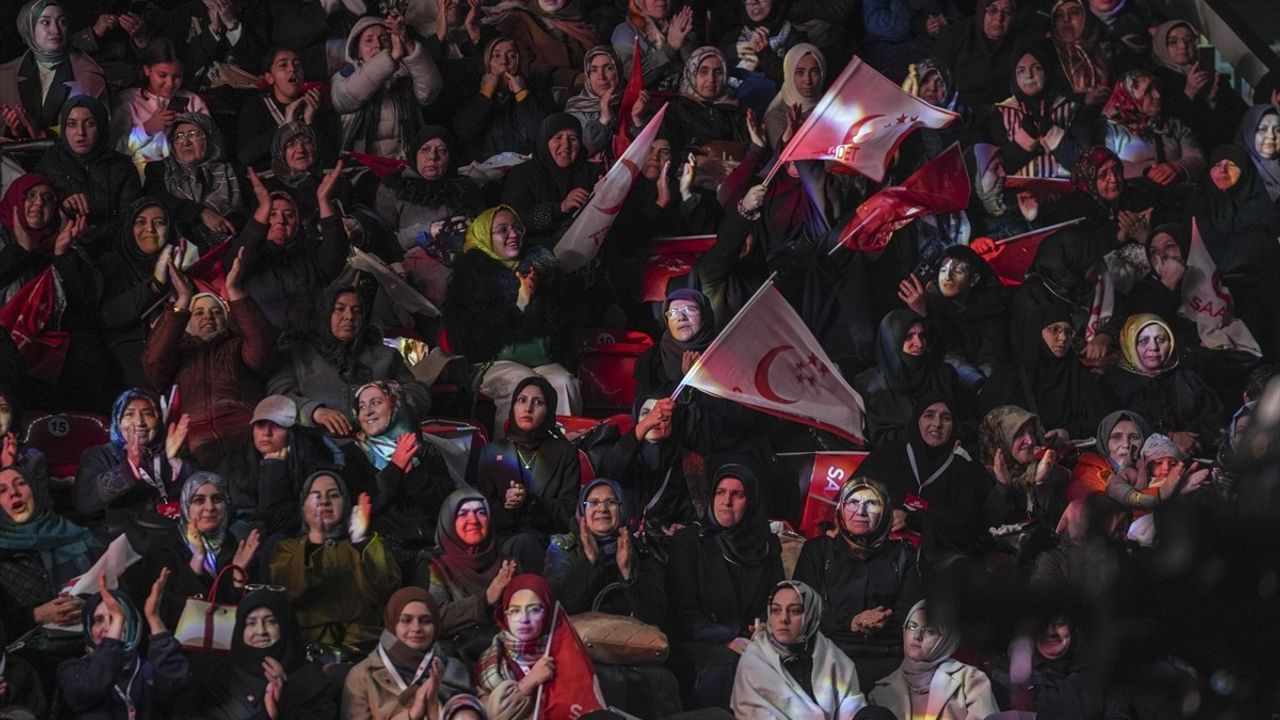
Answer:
(499, 583)
(196, 563)
(1000, 468)
(324, 191)
(590, 547)
(72, 230)
(177, 437)
(407, 448)
(795, 118)
(624, 554)
(528, 288)
(337, 424)
(76, 204)
(261, 194)
(757, 129)
(234, 274)
(514, 497)
(471, 23)
(8, 450)
(760, 39)
(638, 108)
(687, 172)
(360, 516)
(182, 289)
(426, 700)
(151, 609)
(664, 185)
(911, 293)
(1047, 462)
(246, 549)
(115, 615)
(680, 27)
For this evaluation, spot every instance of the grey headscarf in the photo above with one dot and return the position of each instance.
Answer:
(286, 134)
(1268, 170)
(27, 18)
(209, 544)
(587, 102)
(212, 181)
(812, 615)
(1109, 423)
(919, 673)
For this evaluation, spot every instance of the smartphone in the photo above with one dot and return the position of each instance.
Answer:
(179, 104)
(1207, 57)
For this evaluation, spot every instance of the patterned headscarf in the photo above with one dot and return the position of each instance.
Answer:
(878, 534)
(1084, 177)
(210, 544)
(997, 432)
(691, 72)
(118, 439)
(1124, 107)
(211, 181)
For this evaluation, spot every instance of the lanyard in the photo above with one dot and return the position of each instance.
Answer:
(127, 694)
(911, 457)
(395, 674)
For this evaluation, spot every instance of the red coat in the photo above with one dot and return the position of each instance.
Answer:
(219, 381)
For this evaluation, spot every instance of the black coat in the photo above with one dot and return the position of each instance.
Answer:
(110, 184)
(577, 583)
(480, 311)
(284, 281)
(1175, 401)
(554, 472)
(980, 69)
(713, 601)
(169, 551)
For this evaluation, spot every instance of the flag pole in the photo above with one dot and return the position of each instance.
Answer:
(555, 615)
(697, 364)
(1050, 229)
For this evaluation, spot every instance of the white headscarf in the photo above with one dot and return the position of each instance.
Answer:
(789, 95)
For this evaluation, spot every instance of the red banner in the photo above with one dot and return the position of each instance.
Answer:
(574, 691)
(829, 473)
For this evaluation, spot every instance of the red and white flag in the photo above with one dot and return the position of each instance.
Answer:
(1207, 302)
(635, 85)
(860, 122)
(767, 359)
(582, 240)
(209, 273)
(1010, 258)
(941, 186)
(1104, 304)
(32, 316)
(574, 691)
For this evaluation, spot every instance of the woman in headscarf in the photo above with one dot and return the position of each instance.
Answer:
(407, 675)
(1060, 681)
(135, 278)
(994, 211)
(40, 551)
(35, 85)
(791, 669)
(1236, 199)
(1038, 129)
(297, 169)
(804, 79)
(597, 106)
(1260, 137)
(929, 683)
(288, 96)
(969, 307)
(982, 51)
(502, 114)
(762, 38)
(89, 176)
(337, 573)
(1149, 380)
(285, 267)
(704, 112)
(1118, 443)
(1047, 377)
(909, 364)
(268, 675)
(934, 491)
(138, 474)
(690, 328)
(929, 80)
(467, 576)
(337, 351)
(504, 310)
(192, 346)
(552, 37)
(1086, 58)
(199, 186)
(1150, 143)
(719, 577)
(531, 477)
(379, 94)
(866, 579)
(1163, 471)
(1198, 96)
(1113, 205)
(199, 549)
(548, 192)
(143, 115)
(13, 451)
(666, 41)
(1029, 486)
(113, 681)
(510, 672)
(429, 189)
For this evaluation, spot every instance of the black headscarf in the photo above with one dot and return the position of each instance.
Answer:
(102, 146)
(447, 191)
(1243, 206)
(287, 650)
(928, 459)
(345, 356)
(141, 265)
(1037, 108)
(532, 440)
(746, 543)
(562, 180)
(339, 529)
(673, 350)
(1064, 264)
(1051, 378)
(905, 374)
(15, 410)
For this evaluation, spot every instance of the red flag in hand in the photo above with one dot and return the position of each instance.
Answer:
(574, 691)
(379, 166)
(1011, 258)
(208, 273)
(635, 84)
(30, 316)
(942, 186)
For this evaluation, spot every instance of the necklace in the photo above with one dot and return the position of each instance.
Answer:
(526, 463)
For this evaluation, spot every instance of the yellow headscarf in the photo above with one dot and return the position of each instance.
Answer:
(480, 235)
(1129, 343)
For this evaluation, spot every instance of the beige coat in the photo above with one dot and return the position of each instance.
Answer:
(958, 692)
(370, 693)
(88, 80)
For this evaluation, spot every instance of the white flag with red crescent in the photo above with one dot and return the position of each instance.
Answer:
(1207, 302)
(582, 240)
(767, 359)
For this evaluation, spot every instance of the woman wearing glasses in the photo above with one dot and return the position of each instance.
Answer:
(867, 580)
(505, 313)
(517, 664)
(929, 683)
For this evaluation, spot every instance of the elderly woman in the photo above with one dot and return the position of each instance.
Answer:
(1027, 488)
(40, 552)
(297, 169)
(1086, 58)
(1260, 137)
(199, 186)
(428, 190)
(284, 266)
(1163, 472)
(1173, 397)
(704, 112)
(804, 76)
(502, 115)
(90, 178)
(1236, 199)
(142, 116)
(720, 576)
(1037, 127)
(666, 41)
(929, 683)
(503, 310)
(337, 573)
(138, 474)
(552, 37)
(549, 191)
(338, 351)
(217, 370)
(866, 579)
(1136, 123)
(380, 93)
(1198, 96)
(597, 106)
(35, 85)
(408, 675)
(1119, 441)
(791, 669)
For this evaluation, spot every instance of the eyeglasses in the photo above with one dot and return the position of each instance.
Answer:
(992, 11)
(517, 228)
(929, 631)
(531, 611)
(188, 136)
(683, 312)
(871, 507)
(594, 503)
(251, 587)
(45, 197)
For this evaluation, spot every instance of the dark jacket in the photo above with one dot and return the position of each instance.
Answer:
(578, 583)
(708, 604)
(88, 683)
(980, 69)
(554, 470)
(106, 488)
(480, 312)
(284, 281)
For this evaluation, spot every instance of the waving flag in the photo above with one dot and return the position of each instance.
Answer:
(1012, 257)
(574, 691)
(941, 186)
(31, 316)
(582, 240)
(1207, 302)
(860, 122)
(635, 85)
(767, 359)
(209, 273)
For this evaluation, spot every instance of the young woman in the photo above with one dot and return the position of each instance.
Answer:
(704, 112)
(502, 114)
(596, 107)
(517, 664)
(804, 76)
(35, 85)
(1037, 127)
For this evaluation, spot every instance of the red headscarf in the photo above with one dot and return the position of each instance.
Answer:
(525, 581)
(13, 198)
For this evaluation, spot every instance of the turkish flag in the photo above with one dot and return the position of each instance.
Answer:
(860, 122)
(582, 240)
(30, 316)
(574, 691)
(209, 273)
(1103, 307)
(941, 186)
(1207, 302)
(635, 85)
(1012, 257)
(767, 359)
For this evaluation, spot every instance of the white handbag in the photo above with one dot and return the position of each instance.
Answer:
(205, 625)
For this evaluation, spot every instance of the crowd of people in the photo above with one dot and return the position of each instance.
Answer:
(212, 214)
